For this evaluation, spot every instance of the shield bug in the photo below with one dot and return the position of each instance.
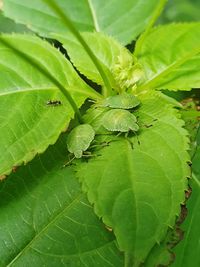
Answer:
(79, 139)
(121, 101)
(120, 120)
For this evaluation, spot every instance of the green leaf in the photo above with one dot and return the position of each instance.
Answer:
(124, 20)
(172, 61)
(188, 251)
(105, 48)
(45, 219)
(8, 26)
(27, 124)
(181, 10)
(160, 255)
(138, 189)
(191, 116)
(163, 253)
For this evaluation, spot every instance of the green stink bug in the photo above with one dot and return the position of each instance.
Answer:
(79, 139)
(123, 101)
(120, 120)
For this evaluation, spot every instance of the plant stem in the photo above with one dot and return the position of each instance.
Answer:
(45, 72)
(68, 23)
(152, 21)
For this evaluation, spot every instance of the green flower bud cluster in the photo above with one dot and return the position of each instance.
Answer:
(127, 72)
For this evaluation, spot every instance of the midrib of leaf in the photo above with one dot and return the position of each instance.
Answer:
(94, 16)
(57, 216)
(155, 80)
(130, 162)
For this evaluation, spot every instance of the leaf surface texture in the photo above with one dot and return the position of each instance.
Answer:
(172, 61)
(138, 189)
(124, 20)
(27, 124)
(45, 219)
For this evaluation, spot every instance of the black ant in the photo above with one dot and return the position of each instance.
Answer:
(54, 103)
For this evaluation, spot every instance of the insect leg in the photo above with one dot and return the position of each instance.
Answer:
(100, 145)
(69, 162)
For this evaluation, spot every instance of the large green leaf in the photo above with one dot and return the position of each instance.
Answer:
(188, 251)
(181, 10)
(138, 189)
(172, 61)
(163, 252)
(191, 116)
(7, 25)
(45, 219)
(124, 20)
(27, 124)
(106, 49)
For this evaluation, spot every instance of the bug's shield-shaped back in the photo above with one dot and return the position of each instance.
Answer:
(120, 120)
(79, 139)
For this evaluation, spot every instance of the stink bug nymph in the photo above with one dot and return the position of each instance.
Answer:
(79, 139)
(122, 101)
(120, 120)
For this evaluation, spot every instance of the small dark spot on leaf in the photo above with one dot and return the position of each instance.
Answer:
(14, 168)
(189, 163)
